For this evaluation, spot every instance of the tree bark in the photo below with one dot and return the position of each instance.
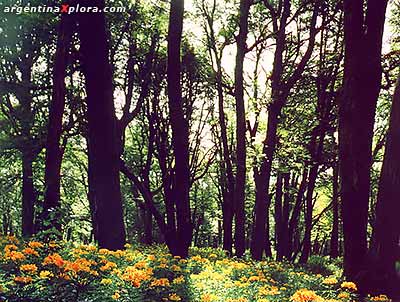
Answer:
(278, 216)
(361, 86)
(384, 250)
(180, 133)
(104, 183)
(334, 246)
(240, 181)
(280, 90)
(284, 234)
(28, 195)
(294, 219)
(54, 152)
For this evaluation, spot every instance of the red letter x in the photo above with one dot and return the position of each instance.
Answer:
(64, 8)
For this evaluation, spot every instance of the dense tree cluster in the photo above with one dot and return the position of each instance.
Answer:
(263, 126)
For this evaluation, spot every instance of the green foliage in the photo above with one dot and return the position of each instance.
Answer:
(323, 265)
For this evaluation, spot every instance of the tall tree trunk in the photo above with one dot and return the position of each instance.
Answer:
(284, 235)
(312, 178)
(54, 152)
(294, 219)
(278, 216)
(334, 246)
(180, 132)
(28, 148)
(28, 195)
(280, 90)
(240, 181)
(104, 183)
(228, 200)
(384, 250)
(361, 86)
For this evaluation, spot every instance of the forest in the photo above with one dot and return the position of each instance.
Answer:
(200, 150)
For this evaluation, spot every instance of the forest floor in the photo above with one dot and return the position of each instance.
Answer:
(61, 271)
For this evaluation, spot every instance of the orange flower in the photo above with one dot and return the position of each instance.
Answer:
(79, 265)
(160, 282)
(55, 259)
(29, 268)
(30, 251)
(23, 280)
(108, 266)
(35, 244)
(16, 256)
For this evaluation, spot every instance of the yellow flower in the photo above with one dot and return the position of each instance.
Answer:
(208, 298)
(330, 281)
(179, 280)
(305, 295)
(268, 291)
(349, 285)
(45, 274)
(104, 251)
(382, 298)
(106, 281)
(10, 247)
(28, 268)
(343, 295)
(176, 268)
(254, 279)
(116, 296)
(174, 297)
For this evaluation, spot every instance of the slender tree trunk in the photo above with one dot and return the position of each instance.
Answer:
(285, 215)
(334, 246)
(240, 182)
(318, 149)
(361, 86)
(28, 195)
(278, 216)
(104, 183)
(228, 206)
(54, 152)
(295, 215)
(385, 247)
(180, 132)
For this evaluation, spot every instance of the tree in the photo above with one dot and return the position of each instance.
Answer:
(384, 249)
(334, 244)
(104, 183)
(240, 177)
(54, 152)
(361, 86)
(24, 96)
(227, 179)
(180, 133)
(281, 86)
